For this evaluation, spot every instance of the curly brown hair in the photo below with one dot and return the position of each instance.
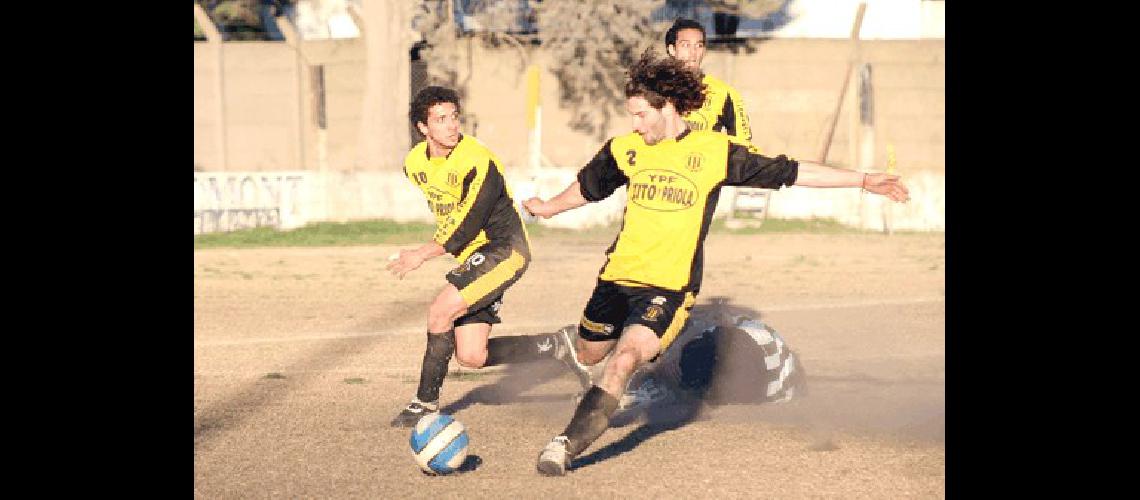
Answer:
(428, 97)
(661, 79)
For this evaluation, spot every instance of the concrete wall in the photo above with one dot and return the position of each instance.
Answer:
(790, 88)
(262, 95)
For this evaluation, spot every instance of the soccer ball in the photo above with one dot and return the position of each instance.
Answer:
(439, 443)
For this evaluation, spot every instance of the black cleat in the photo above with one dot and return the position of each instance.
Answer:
(414, 412)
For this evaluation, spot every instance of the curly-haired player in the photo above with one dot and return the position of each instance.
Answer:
(652, 273)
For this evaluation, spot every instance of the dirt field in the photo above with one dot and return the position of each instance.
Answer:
(301, 356)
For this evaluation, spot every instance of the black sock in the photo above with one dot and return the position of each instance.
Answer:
(440, 347)
(590, 420)
(519, 348)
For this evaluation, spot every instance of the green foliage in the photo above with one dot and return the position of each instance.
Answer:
(807, 226)
(372, 232)
(379, 232)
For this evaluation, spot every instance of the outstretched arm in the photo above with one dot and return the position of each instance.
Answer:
(597, 180)
(568, 199)
(408, 260)
(819, 175)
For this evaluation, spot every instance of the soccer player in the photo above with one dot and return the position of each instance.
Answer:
(722, 356)
(723, 108)
(652, 274)
(478, 223)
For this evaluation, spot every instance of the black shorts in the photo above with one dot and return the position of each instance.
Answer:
(482, 279)
(612, 307)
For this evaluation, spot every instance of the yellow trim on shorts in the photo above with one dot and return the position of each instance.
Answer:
(487, 283)
(679, 319)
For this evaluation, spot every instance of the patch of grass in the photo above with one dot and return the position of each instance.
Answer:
(805, 260)
(466, 375)
(823, 444)
(381, 231)
(369, 232)
(273, 375)
(771, 225)
(354, 380)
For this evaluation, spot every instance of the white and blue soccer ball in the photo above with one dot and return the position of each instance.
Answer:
(439, 443)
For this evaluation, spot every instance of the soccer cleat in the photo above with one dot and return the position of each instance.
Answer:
(644, 396)
(553, 461)
(413, 412)
(565, 352)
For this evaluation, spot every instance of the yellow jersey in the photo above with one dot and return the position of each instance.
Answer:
(672, 191)
(468, 194)
(723, 111)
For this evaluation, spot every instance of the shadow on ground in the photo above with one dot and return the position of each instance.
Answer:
(659, 419)
(516, 380)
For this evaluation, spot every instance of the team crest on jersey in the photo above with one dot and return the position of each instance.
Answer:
(652, 313)
(695, 162)
(452, 179)
(708, 104)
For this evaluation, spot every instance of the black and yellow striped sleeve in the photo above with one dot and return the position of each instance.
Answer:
(482, 186)
(746, 167)
(602, 176)
(733, 120)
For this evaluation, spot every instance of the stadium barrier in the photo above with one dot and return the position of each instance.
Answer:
(227, 201)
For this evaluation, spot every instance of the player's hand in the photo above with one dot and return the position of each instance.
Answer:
(887, 185)
(536, 207)
(404, 261)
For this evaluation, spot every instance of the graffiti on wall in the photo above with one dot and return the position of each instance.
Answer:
(228, 201)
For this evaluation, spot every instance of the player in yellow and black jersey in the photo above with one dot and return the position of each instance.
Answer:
(723, 108)
(673, 176)
(478, 223)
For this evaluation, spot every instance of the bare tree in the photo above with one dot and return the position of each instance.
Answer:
(591, 43)
(434, 20)
(493, 23)
(749, 8)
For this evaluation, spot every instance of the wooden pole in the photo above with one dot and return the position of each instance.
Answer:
(846, 78)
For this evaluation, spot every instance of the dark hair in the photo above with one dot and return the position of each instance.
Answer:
(682, 24)
(660, 79)
(428, 97)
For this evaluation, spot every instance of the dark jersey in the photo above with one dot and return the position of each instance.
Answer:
(469, 196)
(723, 111)
(672, 191)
